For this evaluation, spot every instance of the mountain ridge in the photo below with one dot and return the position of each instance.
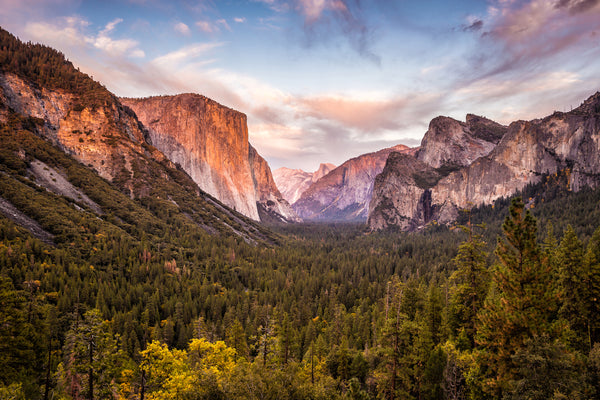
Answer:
(528, 149)
(293, 182)
(87, 122)
(344, 193)
(210, 142)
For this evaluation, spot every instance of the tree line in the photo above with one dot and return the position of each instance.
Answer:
(525, 325)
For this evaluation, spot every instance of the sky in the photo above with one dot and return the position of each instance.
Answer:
(328, 80)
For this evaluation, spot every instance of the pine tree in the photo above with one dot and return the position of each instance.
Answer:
(523, 308)
(394, 380)
(471, 279)
(573, 280)
(92, 360)
(592, 263)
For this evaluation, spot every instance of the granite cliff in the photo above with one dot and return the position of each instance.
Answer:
(106, 137)
(210, 142)
(293, 182)
(271, 204)
(344, 193)
(83, 119)
(562, 142)
(451, 143)
(402, 197)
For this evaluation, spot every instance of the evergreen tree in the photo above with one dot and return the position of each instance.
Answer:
(471, 279)
(16, 347)
(573, 283)
(92, 361)
(523, 308)
(592, 264)
(236, 338)
(394, 378)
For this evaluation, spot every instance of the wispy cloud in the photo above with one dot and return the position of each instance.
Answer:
(185, 54)
(324, 20)
(207, 26)
(115, 47)
(313, 9)
(72, 31)
(182, 28)
(69, 32)
(372, 116)
(223, 23)
(211, 27)
(528, 35)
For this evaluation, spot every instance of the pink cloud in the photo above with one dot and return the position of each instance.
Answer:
(370, 115)
(182, 28)
(354, 113)
(313, 9)
(207, 26)
(325, 20)
(544, 28)
(213, 27)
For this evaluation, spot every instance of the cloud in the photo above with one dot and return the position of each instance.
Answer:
(577, 6)
(300, 131)
(473, 26)
(323, 21)
(361, 114)
(67, 34)
(115, 47)
(240, 20)
(184, 55)
(541, 29)
(211, 27)
(530, 47)
(313, 9)
(223, 23)
(538, 94)
(505, 89)
(71, 32)
(207, 26)
(111, 26)
(182, 28)
(371, 116)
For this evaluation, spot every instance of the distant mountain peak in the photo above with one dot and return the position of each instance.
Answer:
(293, 182)
(210, 142)
(345, 192)
(480, 161)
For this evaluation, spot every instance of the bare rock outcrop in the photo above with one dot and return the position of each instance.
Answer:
(107, 138)
(401, 194)
(453, 143)
(562, 142)
(293, 182)
(270, 200)
(210, 142)
(344, 193)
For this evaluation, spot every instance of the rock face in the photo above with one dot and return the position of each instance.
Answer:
(210, 142)
(82, 118)
(453, 143)
(293, 182)
(401, 195)
(561, 142)
(344, 193)
(269, 199)
(107, 138)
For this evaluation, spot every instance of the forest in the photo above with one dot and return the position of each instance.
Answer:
(141, 304)
(153, 298)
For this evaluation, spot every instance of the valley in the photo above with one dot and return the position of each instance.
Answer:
(147, 251)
